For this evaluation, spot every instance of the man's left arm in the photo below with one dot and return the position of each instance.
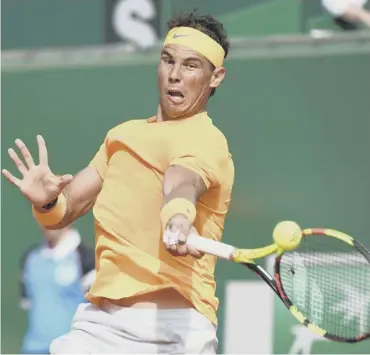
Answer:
(181, 190)
(181, 182)
(192, 172)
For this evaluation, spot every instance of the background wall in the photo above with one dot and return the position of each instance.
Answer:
(297, 124)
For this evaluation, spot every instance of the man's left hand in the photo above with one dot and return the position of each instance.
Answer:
(180, 227)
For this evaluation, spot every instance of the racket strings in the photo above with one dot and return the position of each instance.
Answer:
(329, 282)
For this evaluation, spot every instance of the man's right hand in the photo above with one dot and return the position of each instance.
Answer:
(39, 185)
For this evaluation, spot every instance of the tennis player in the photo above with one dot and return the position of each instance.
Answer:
(171, 173)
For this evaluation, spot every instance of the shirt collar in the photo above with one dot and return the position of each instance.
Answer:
(200, 115)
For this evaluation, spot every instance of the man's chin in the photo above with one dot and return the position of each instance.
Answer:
(175, 112)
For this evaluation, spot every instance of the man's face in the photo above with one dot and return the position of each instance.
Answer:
(185, 80)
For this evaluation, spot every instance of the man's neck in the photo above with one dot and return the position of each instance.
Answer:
(161, 116)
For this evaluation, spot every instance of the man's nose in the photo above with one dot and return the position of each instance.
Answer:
(175, 74)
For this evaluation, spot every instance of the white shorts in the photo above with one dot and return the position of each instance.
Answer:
(117, 330)
(339, 7)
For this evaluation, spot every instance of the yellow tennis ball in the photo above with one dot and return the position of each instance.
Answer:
(287, 235)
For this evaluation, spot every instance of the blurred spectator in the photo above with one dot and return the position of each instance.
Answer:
(348, 14)
(55, 276)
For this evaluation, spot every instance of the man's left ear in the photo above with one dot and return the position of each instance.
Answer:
(218, 77)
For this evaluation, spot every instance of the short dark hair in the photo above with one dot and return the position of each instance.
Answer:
(204, 23)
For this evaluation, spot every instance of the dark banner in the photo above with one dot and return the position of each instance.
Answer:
(132, 21)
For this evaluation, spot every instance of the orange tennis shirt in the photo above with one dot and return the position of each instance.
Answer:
(131, 258)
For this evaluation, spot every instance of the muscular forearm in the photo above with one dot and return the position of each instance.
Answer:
(74, 211)
(181, 190)
(180, 182)
(79, 195)
(186, 190)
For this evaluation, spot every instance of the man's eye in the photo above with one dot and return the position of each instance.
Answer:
(191, 66)
(168, 60)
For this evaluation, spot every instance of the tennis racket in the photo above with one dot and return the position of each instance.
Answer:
(324, 281)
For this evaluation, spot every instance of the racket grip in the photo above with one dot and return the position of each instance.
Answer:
(205, 245)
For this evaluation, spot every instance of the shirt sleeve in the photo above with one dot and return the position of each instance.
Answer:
(100, 160)
(206, 155)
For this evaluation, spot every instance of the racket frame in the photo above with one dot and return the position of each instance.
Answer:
(247, 258)
(293, 309)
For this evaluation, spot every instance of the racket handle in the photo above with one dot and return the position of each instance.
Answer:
(205, 245)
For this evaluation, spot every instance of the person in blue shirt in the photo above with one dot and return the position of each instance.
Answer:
(55, 276)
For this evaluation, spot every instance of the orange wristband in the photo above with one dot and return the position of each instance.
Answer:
(54, 215)
(177, 206)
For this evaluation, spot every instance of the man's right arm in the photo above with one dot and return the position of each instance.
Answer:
(83, 190)
(57, 200)
(81, 194)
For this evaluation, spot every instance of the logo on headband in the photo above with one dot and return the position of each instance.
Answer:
(177, 36)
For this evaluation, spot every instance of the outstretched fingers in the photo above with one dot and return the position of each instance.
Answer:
(43, 152)
(25, 153)
(15, 181)
(17, 161)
